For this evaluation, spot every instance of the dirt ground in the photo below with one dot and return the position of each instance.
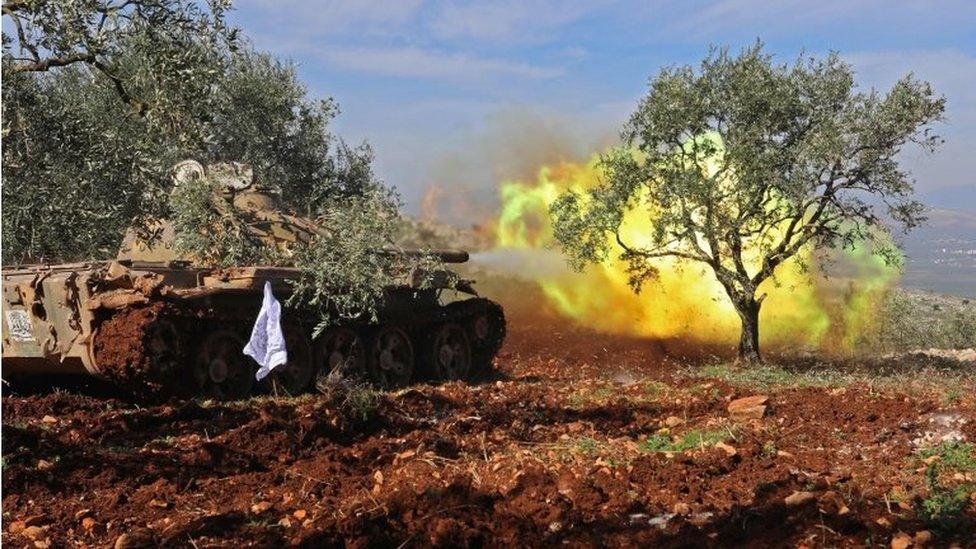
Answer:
(581, 439)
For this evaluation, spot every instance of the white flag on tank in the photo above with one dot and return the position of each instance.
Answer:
(267, 344)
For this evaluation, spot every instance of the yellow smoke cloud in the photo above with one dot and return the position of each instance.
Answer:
(802, 308)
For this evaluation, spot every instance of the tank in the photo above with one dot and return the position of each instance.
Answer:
(156, 322)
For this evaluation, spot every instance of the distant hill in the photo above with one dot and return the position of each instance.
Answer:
(941, 256)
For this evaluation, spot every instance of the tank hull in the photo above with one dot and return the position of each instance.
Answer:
(172, 328)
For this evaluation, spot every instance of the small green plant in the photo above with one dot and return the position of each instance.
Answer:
(945, 505)
(952, 395)
(362, 400)
(691, 440)
(587, 445)
(655, 388)
(585, 397)
(769, 448)
(656, 443)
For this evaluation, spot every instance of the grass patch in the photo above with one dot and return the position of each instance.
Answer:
(948, 380)
(697, 438)
(591, 395)
(953, 455)
(772, 376)
(944, 507)
(587, 445)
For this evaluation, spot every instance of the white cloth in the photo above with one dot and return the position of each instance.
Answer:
(267, 344)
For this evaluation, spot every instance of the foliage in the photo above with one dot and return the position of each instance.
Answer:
(910, 320)
(346, 269)
(97, 96)
(743, 164)
(209, 229)
(88, 145)
(102, 97)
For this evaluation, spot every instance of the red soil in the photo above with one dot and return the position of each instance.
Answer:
(547, 454)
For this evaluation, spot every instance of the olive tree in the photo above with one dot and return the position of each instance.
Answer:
(102, 97)
(743, 163)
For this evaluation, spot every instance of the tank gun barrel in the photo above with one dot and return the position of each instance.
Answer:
(444, 254)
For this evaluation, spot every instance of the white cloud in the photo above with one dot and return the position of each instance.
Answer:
(428, 63)
(765, 18)
(329, 16)
(514, 21)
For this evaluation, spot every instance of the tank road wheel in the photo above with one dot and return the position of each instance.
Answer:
(487, 332)
(390, 361)
(164, 348)
(448, 353)
(222, 370)
(294, 376)
(340, 351)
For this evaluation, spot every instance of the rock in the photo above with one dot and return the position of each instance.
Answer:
(82, 514)
(16, 527)
(799, 498)
(682, 508)
(34, 532)
(136, 538)
(88, 524)
(50, 420)
(43, 543)
(748, 408)
(158, 504)
(784, 454)
(832, 502)
(727, 448)
(923, 537)
(285, 522)
(260, 507)
(44, 465)
(900, 540)
(673, 421)
(378, 477)
(300, 514)
(883, 522)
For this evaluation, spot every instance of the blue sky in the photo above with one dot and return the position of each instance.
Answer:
(462, 95)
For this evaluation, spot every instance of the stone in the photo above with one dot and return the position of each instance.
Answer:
(900, 540)
(158, 504)
(682, 508)
(727, 448)
(16, 527)
(748, 408)
(260, 507)
(673, 421)
(136, 538)
(34, 532)
(799, 498)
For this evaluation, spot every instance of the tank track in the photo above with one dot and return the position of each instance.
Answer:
(172, 348)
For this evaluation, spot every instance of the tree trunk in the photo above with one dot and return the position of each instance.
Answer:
(749, 338)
